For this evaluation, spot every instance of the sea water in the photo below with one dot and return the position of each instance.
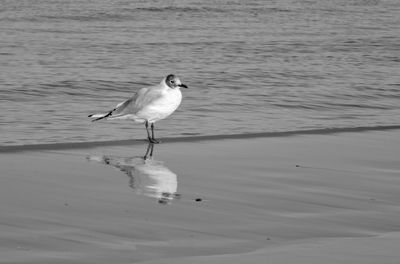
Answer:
(251, 66)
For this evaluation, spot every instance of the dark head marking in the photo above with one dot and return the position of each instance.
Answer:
(173, 81)
(170, 77)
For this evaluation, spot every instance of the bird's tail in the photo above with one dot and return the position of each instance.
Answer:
(101, 116)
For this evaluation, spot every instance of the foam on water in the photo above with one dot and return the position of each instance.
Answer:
(252, 67)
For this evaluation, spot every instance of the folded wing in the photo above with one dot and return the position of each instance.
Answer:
(129, 108)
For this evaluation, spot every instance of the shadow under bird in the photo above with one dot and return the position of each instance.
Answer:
(148, 105)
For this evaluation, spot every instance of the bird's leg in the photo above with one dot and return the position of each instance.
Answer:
(150, 138)
(153, 140)
(147, 130)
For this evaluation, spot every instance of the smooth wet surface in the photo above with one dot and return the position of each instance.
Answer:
(238, 199)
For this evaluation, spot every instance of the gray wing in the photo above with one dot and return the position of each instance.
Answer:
(137, 102)
(145, 97)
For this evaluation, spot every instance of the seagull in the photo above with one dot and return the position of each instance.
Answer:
(148, 105)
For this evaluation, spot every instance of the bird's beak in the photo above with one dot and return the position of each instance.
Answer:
(183, 85)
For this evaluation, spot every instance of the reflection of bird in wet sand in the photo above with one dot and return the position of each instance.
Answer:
(149, 104)
(146, 176)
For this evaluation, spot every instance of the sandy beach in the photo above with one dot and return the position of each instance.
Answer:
(331, 198)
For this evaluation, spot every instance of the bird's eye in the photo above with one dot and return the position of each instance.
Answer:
(172, 81)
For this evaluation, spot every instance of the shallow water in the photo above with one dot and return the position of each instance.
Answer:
(251, 66)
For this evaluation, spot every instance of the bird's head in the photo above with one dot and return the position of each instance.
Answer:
(172, 81)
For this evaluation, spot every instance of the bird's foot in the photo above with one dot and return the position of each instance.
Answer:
(154, 141)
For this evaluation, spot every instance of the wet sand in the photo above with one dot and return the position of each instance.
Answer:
(331, 198)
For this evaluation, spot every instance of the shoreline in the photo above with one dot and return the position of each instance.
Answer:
(124, 142)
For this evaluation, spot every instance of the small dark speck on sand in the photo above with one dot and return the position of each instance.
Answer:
(198, 199)
(297, 166)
